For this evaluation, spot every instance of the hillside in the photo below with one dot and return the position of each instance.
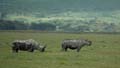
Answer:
(96, 15)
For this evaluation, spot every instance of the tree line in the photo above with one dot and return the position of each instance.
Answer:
(90, 26)
(18, 25)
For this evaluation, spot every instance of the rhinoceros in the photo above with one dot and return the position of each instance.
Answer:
(27, 45)
(75, 44)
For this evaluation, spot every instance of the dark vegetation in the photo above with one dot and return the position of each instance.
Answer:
(12, 25)
(48, 26)
(17, 25)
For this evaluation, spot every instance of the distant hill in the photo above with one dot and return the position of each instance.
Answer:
(77, 15)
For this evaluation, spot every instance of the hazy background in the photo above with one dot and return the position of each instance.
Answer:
(60, 15)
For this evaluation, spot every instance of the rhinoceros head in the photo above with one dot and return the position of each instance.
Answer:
(42, 48)
(88, 42)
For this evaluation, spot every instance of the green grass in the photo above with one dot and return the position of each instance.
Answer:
(104, 52)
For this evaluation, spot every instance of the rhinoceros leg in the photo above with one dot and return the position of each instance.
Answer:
(15, 49)
(78, 49)
(64, 47)
(31, 50)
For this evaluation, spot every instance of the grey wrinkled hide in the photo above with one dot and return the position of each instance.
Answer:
(27, 45)
(75, 44)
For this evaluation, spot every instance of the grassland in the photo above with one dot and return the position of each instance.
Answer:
(104, 52)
